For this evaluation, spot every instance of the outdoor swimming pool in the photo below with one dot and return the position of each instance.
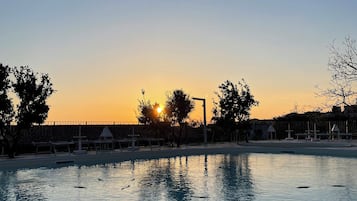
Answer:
(213, 177)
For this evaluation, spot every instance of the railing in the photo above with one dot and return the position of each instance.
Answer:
(90, 123)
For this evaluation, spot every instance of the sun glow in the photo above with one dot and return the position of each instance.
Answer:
(159, 110)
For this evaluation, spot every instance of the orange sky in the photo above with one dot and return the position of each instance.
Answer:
(100, 55)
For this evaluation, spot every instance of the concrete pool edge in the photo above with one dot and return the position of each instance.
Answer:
(53, 161)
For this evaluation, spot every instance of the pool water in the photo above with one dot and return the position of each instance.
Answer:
(206, 177)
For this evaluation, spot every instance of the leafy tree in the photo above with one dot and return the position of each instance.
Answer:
(153, 116)
(232, 111)
(33, 91)
(178, 106)
(149, 113)
(6, 108)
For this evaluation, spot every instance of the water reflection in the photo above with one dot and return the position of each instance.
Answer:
(166, 178)
(184, 178)
(281, 176)
(208, 177)
(20, 186)
(235, 178)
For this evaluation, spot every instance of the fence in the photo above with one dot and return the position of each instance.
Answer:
(90, 123)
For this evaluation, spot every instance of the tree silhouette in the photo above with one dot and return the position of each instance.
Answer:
(33, 91)
(339, 93)
(233, 109)
(343, 63)
(178, 106)
(148, 113)
(153, 116)
(6, 108)
(343, 67)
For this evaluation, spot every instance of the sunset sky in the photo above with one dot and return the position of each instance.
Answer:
(100, 54)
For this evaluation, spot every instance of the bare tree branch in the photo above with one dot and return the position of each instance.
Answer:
(343, 67)
(343, 63)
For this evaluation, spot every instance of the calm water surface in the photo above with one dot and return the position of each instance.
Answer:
(213, 177)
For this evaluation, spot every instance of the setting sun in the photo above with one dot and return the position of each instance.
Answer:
(159, 110)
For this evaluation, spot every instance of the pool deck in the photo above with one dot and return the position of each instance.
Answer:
(321, 148)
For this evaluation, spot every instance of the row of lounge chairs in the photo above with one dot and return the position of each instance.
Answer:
(104, 142)
(319, 136)
(97, 145)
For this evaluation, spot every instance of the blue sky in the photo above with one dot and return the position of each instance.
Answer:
(100, 54)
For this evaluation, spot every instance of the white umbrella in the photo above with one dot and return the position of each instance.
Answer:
(106, 133)
(271, 130)
(335, 129)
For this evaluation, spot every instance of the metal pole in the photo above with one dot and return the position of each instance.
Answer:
(204, 122)
(204, 119)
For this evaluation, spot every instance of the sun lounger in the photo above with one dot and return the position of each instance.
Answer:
(154, 142)
(52, 146)
(103, 144)
(347, 136)
(323, 135)
(41, 145)
(121, 141)
(58, 144)
(304, 135)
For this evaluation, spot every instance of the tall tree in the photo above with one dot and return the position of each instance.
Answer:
(6, 108)
(153, 116)
(148, 113)
(33, 91)
(232, 111)
(178, 106)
